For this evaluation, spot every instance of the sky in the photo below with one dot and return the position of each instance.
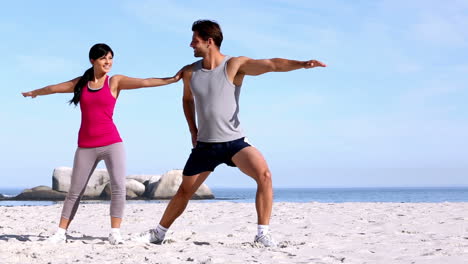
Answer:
(389, 110)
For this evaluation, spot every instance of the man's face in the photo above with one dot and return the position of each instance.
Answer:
(200, 46)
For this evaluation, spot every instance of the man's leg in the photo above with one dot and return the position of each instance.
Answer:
(178, 203)
(251, 162)
(174, 209)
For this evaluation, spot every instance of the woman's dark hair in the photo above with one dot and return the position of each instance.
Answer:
(97, 51)
(208, 29)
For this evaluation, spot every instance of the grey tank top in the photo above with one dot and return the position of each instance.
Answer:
(216, 103)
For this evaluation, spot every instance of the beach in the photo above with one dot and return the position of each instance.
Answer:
(223, 232)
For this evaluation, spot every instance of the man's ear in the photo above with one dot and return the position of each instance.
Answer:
(210, 41)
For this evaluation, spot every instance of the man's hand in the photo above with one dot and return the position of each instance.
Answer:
(194, 139)
(313, 64)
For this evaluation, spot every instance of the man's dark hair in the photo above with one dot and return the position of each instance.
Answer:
(208, 29)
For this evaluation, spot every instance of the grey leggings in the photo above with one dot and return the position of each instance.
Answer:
(86, 160)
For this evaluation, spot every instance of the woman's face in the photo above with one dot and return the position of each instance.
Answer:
(103, 64)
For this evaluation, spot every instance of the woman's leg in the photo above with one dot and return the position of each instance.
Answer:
(114, 157)
(83, 166)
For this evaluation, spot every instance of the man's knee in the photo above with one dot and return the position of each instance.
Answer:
(184, 192)
(264, 177)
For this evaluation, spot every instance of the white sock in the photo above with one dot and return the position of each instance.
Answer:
(115, 230)
(263, 229)
(161, 231)
(61, 231)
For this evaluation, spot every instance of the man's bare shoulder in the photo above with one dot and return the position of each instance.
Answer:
(235, 63)
(188, 68)
(187, 72)
(239, 59)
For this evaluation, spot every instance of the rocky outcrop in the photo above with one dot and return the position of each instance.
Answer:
(40, 193)
(169, 183)
(134, 189)
(137, 187)
(151, 185)
(141, 178)
(61, 179)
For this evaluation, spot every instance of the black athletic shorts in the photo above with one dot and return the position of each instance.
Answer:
(207, 156)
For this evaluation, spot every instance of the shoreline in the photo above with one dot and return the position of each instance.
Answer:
(222, 232)
(327, 195)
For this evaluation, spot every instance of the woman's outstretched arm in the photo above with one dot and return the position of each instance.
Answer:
(126, 83)
(65, 87)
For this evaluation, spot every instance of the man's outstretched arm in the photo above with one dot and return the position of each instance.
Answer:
(248, 66)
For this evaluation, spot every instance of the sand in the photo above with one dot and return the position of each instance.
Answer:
(223, 232)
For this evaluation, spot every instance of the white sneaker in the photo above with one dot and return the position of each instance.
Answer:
(150, 236)
(57, 238)
(115, 238)
(265, 240)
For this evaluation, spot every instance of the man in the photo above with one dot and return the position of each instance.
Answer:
(211, 89)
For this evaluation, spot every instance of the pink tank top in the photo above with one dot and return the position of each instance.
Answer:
(97, 126)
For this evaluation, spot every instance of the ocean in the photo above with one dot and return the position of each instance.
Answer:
(303, 195)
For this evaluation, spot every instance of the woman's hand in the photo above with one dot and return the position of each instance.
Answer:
(29, 94)
(179, 75)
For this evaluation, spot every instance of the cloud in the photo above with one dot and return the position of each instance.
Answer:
(462, 68)
(8, 27)
(428, 97)
(43, 64)
(430, 22)
(408, 67)
(163, 15)
(258, 28)
(441, 30)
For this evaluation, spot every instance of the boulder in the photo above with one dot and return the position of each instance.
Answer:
(169, 183)
(40, 193)
(137, 186)
(141, 178)
(151, 185)
(133, 187)
(61, 179)
(41, 188)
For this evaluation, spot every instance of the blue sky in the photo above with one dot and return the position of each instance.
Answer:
(390, 110)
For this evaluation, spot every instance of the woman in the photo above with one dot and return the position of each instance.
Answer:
(98, 138)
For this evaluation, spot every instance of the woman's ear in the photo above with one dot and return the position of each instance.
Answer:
(91, 61)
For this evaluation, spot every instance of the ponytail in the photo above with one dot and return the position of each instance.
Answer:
(87, 76)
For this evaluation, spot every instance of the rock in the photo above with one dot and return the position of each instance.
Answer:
(62, 176)
(140, 178)
(134, 189)
(151, 185)
(41, 188)
(203, 192)
(169, 184)
(40, 193)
